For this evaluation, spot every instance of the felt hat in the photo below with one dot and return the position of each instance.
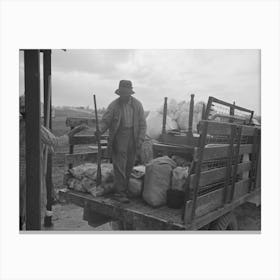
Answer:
(125, 88)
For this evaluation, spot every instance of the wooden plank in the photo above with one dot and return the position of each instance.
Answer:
(174, 139)
(184, 150)
(75, 121)
(222, 128)
(213, 200)
(210, 217)
(79, 158)
(218, 174)
(85, 140)
(33, 141)
(136, 213)
(216, 151)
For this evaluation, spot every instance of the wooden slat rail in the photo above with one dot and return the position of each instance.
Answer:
(79, 158)
(219, 128)
(236, 159)
(215, 214)
(202, 141)
(230, 105)
(75, 121)
(229, 162)
(231, 152)
(214, 200)
(221, 151)
(218, 174)
(86, 139)
(184, 150)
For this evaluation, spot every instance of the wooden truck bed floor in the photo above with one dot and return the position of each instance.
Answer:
(140, 216)
(135, 213)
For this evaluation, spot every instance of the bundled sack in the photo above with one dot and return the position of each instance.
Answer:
(83, 178)
(179, 176)
(183, 115)
(136, 181)
(180, 161)
(147, 150)
(176, 195)
(154, 124)
(157, 180)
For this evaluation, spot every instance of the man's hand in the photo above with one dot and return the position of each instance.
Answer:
(77, 129)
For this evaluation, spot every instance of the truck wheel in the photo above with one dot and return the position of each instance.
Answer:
(226, 222)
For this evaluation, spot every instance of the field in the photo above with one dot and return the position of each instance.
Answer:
(69, 217)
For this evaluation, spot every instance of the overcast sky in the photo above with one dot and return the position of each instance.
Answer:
(231, 75)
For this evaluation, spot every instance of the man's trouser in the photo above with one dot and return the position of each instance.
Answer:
(123, 156)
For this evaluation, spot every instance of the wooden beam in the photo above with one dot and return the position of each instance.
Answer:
(33, 144)
(48, 123)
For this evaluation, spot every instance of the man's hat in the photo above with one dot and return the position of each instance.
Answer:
(125, 88)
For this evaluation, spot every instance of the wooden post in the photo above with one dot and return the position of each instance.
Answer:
(231, 111)
(208, 108)
(191, 114)
(48, 124)
(164, 117)
(71, 150)
(201, 146)
(33, 144)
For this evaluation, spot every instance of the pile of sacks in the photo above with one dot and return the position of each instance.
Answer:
(163, 174)
(151, 182)
(82, 178)
(177, 117)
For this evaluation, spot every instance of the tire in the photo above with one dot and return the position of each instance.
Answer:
(226, 222)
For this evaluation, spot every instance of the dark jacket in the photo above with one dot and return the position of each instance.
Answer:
(112, 119)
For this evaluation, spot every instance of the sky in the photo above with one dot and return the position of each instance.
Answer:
(230, 75)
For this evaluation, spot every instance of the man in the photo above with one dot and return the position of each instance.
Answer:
(49, 141)
(126, 122)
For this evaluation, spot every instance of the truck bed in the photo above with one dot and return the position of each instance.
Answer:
(136, 213)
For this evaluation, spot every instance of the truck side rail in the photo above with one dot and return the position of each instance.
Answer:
(228, 180)
(214, 103)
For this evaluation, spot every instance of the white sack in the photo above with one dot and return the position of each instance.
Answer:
(179, 176)
(157, 180)
(154, 124)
